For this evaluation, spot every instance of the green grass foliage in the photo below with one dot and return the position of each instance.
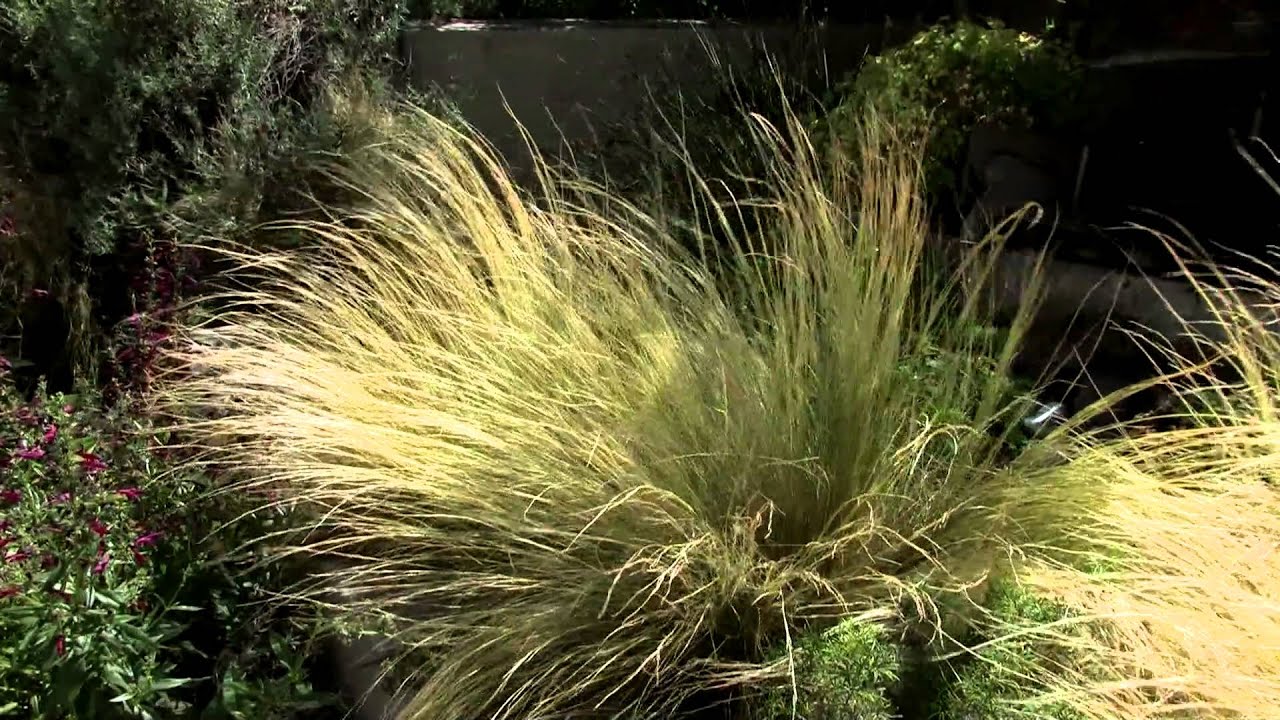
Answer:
(584, 471)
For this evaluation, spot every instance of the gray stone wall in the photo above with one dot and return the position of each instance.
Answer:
(570, 84)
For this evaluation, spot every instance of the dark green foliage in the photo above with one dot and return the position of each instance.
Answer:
(951, 78)
(843, 673)
(247, 177)
(118, 118)
(101, 103)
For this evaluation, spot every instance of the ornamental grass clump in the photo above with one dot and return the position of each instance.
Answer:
(585, 472)
(1171, 576)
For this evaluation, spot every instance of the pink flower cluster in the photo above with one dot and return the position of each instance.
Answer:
(91, 465)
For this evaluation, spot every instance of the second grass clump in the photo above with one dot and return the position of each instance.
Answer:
(1168, 579)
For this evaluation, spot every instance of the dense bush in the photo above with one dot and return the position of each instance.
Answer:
(953, 77)
(108, 109)
(114, 603)
(114, 116)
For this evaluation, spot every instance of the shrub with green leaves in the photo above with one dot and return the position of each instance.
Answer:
(843, 673)
(113, 604)
(1004, 678)
(172, 76)
(116, 116)
(953, 77)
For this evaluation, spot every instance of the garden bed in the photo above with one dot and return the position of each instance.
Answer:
(578, 474)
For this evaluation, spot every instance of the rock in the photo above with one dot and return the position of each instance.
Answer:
(357, 666)
(1011, 168)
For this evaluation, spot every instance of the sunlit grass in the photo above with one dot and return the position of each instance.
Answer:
(585, 478)
(1171, 571)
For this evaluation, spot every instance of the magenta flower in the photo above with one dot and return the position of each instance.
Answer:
(50, 434)
(39, 293)
(130, 493)
(147, 539)
(9, 591)
(31, 454)
(10, 496)
(101, 564)
(68, 409)
(91, 463)
(138, 558)
(60, 498)
(98, 527)
(60, 645)
(17, 556)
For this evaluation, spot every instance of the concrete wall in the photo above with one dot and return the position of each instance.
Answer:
(578, 82)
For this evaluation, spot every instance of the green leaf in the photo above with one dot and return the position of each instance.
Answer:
(135, 633)
(115, 676)
(56, 576)
(107, 598)
(171, 683)
(123, 697)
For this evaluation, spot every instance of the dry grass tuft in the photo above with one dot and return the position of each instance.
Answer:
(584, 478)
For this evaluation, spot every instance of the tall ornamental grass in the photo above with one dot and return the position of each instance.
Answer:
(587, 473)
(1170, 576)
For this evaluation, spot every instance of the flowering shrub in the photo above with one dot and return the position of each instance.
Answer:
(165, 275)
(112, 603)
